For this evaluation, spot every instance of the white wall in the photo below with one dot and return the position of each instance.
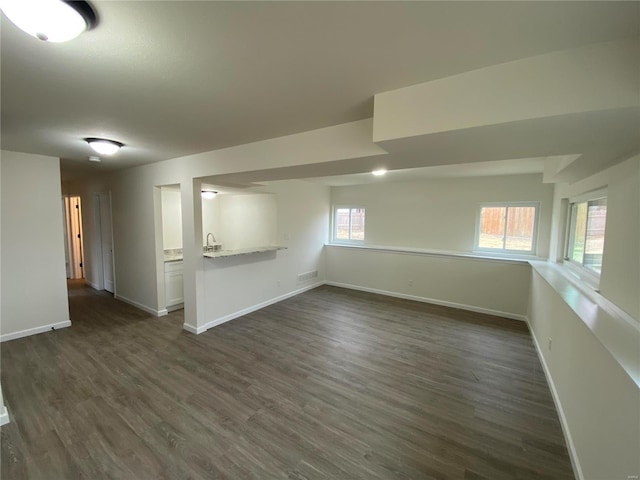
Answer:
(247, 220)
(440, 214)
(211, 219)
(494, 287)
(599, 400)
(236, 284)
(34, 289)
(171, 218)
(600, 403)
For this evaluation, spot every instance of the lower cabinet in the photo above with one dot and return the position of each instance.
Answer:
(173, 285)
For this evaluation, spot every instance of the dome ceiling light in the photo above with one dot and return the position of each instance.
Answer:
(104, 146)
(208, 194)
(50, 20)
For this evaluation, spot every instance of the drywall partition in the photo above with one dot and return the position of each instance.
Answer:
(496, 287)
(596, 77)
(583, 101)
(234, 286)
(34, 288)
(598, 402)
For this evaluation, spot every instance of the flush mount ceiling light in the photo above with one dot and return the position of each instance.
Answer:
(208, 194)
(104, 146)
(379, 173)
(50, 20)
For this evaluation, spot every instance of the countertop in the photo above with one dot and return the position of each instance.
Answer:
(242, 251)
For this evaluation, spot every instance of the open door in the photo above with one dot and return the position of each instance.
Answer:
(74, 254)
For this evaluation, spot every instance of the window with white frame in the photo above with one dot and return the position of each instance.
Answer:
(507, 228)
(585, 239)
(348, 224)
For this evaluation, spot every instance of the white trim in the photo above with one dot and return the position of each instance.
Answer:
(192, 329)
(573, 454)
(156, 313)
(334, 225)
(93, 285)
(173, 308)
(246, 311)
(521, 259)
(444, 303)
(34, 331)
(4, 416)
(163, 312)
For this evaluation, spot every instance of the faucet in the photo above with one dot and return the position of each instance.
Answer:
(213, 240)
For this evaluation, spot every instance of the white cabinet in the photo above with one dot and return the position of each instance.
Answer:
(173, 285)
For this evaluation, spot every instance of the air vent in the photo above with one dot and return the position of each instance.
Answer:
(305, 277)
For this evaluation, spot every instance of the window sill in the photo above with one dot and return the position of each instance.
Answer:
(439, 253)
(615, 329)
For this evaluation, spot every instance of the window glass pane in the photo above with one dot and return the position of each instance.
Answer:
(492, 223)
(594, 237)
(520, 223)
(579, 229)
(342, 223)
(357, 224)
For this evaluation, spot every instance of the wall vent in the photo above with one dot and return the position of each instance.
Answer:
(305, 277)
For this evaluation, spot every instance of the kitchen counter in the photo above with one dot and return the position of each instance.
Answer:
(173, 255)
(242, 251)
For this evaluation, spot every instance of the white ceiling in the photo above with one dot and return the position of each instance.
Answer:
(170, 79)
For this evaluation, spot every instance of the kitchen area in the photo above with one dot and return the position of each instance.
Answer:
(234, 223)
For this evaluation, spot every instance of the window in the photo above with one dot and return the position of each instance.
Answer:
(585, 243)
(507, 227)
(348, 224)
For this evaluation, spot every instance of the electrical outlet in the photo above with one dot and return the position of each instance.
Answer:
(279, 284)
(549, 343)
(411, 283)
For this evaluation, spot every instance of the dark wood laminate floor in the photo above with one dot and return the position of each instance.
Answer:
(329, 384)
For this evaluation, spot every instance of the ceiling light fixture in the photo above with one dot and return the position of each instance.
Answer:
(208, 194)
(379, 173)
(50, 20)
(104, 146)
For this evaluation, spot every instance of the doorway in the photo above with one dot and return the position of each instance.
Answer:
(73, 237)
(104, 242)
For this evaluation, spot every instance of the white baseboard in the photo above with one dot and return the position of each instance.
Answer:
(95, 286)
(163, 312)
(33, 331)
(192, 329)
(173, 308)
(461, 306)
(152, 311)
(4, 416)
(573, 455)
(245, 311)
